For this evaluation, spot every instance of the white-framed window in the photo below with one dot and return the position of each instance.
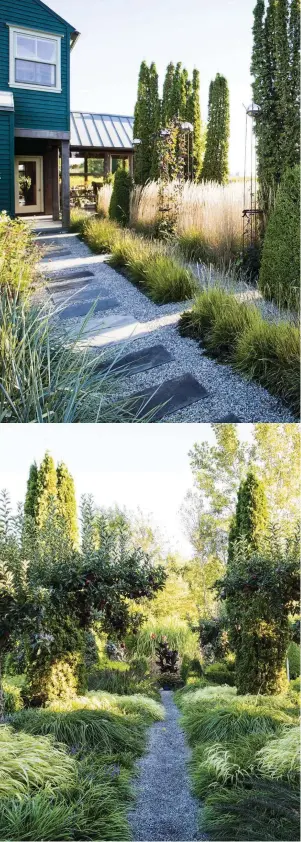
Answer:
(34, 60)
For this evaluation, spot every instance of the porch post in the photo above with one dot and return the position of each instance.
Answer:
(131, 164)
(107, 164)
(65, 183)
(86, 170)
(55, 183)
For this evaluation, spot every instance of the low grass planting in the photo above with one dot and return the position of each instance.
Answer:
(148, 264)
(65, 770)
(245, 762)
(235, 332)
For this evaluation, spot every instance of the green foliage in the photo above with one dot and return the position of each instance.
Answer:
(28, 763)
(266, 810)
(30, 503)
(177, 632)
(280, 263)
(146, 123)
(261, 588)
(276, 90)
(148, 264)
(124, 683)
(19, 256)
(240, 743)
(219, 673)
(104, 731)
(270, 354)
(12, 697)
(120, 200)
(42, 381)
(234, 332)
(66, 503)
(251, 517)
(216, 163)
(293, 655)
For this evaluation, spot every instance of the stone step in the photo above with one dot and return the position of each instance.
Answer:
(70, 276)
(69, 286)
(57, 253)
(97, 333)
(82, 308)
(138, 361)
(171, 396)
(89, 292)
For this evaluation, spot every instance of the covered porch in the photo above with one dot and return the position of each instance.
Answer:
(98, 143)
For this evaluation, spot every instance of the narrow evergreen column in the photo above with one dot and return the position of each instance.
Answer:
(65, 151)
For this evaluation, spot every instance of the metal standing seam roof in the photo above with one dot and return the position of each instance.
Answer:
(101, 131)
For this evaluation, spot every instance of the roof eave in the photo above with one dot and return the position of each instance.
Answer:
(74, 38)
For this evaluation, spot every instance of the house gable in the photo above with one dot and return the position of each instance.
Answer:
(37, 109)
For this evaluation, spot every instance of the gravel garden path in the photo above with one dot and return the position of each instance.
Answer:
(165, 808)
(163, 369)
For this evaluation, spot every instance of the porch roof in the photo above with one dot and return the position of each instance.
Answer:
(108, 132)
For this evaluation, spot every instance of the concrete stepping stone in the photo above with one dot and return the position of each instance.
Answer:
(71, 276)
(137, 361)
(229, 419)
(171, 396)
(101, 332)
(87, 293)
(82, 308)
(69, 286)
(57, 253)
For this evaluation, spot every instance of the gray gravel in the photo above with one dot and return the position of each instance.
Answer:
(228, 391)
(165, 808)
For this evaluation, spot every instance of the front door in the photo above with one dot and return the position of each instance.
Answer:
(29, 184)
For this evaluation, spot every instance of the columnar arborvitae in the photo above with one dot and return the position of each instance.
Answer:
(193, 115)
(66, 503)
(167, 112)
(216, 163)
(141, 126)
(46, 489)
(154, 121)
(276, 90)
(176, 103)
(30, 504)
(251, 516)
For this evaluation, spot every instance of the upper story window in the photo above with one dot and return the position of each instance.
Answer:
(35, 60)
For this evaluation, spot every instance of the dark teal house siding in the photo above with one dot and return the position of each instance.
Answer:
(43, 110)
(7, 198)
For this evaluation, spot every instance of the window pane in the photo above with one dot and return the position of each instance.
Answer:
(45, 74)
(27, 187)
(33, 73)
(25, 71)
(26, 46)
(46, 50)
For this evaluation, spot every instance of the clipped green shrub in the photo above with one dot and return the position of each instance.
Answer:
(120, 200)
(191, 667)
(219, 673)
(293, 655)
(280, 265)
(62, 679)
(12, 697)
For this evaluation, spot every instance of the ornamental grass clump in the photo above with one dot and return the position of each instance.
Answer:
(235, 332)
(28, 763)
(89, 729)
(19, 255)
(270, 354)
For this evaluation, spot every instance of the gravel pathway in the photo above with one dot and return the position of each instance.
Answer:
(228, 394)
(165, 808)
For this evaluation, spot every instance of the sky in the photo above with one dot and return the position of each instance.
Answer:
(116, 35)
(142, 466)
